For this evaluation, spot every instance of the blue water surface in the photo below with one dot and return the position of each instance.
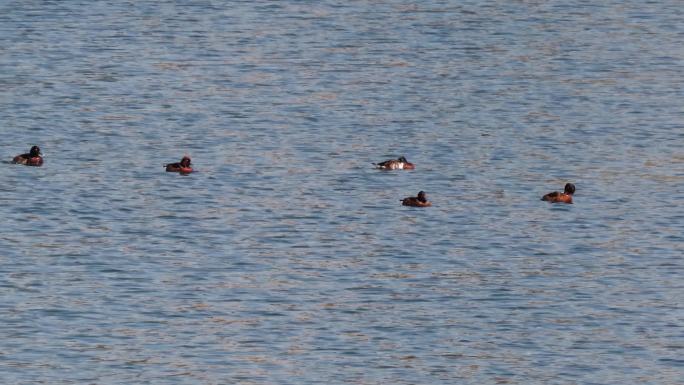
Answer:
(287, 258)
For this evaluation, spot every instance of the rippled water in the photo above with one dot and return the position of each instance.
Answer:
(288, 259)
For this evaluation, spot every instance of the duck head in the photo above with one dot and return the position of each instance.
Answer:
(185, 162)
(569, 188)
(35, 151)
(422, 196)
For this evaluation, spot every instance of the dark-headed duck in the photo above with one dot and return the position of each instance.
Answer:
(182, 167)
(33, 158)
(417, 201)
(396, 164)
(561, 197)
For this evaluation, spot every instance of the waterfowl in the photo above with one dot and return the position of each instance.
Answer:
(182, 167)
(417, 201)
(396, 164)
(561, 197)
(32, 158)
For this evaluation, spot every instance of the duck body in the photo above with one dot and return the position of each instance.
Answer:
(414, 202)
(32, 158)
(557, 197)
(396, 164)
(183, 167)
(417, 201)
(561, 197)
(177, 167)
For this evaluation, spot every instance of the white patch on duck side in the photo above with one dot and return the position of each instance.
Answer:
(392, 165)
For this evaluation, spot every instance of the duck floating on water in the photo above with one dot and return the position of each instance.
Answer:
(561, 197)
(183, 167)
(417, 201)
(396, 164)
(32, 158)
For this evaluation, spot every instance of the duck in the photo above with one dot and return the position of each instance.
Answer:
(417, 201)
(396, 164)
(32, 158)
(183, 167)
(561, 197)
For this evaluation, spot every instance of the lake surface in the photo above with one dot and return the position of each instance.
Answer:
(287, 258)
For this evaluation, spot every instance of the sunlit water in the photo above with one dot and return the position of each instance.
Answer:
(288, 259)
